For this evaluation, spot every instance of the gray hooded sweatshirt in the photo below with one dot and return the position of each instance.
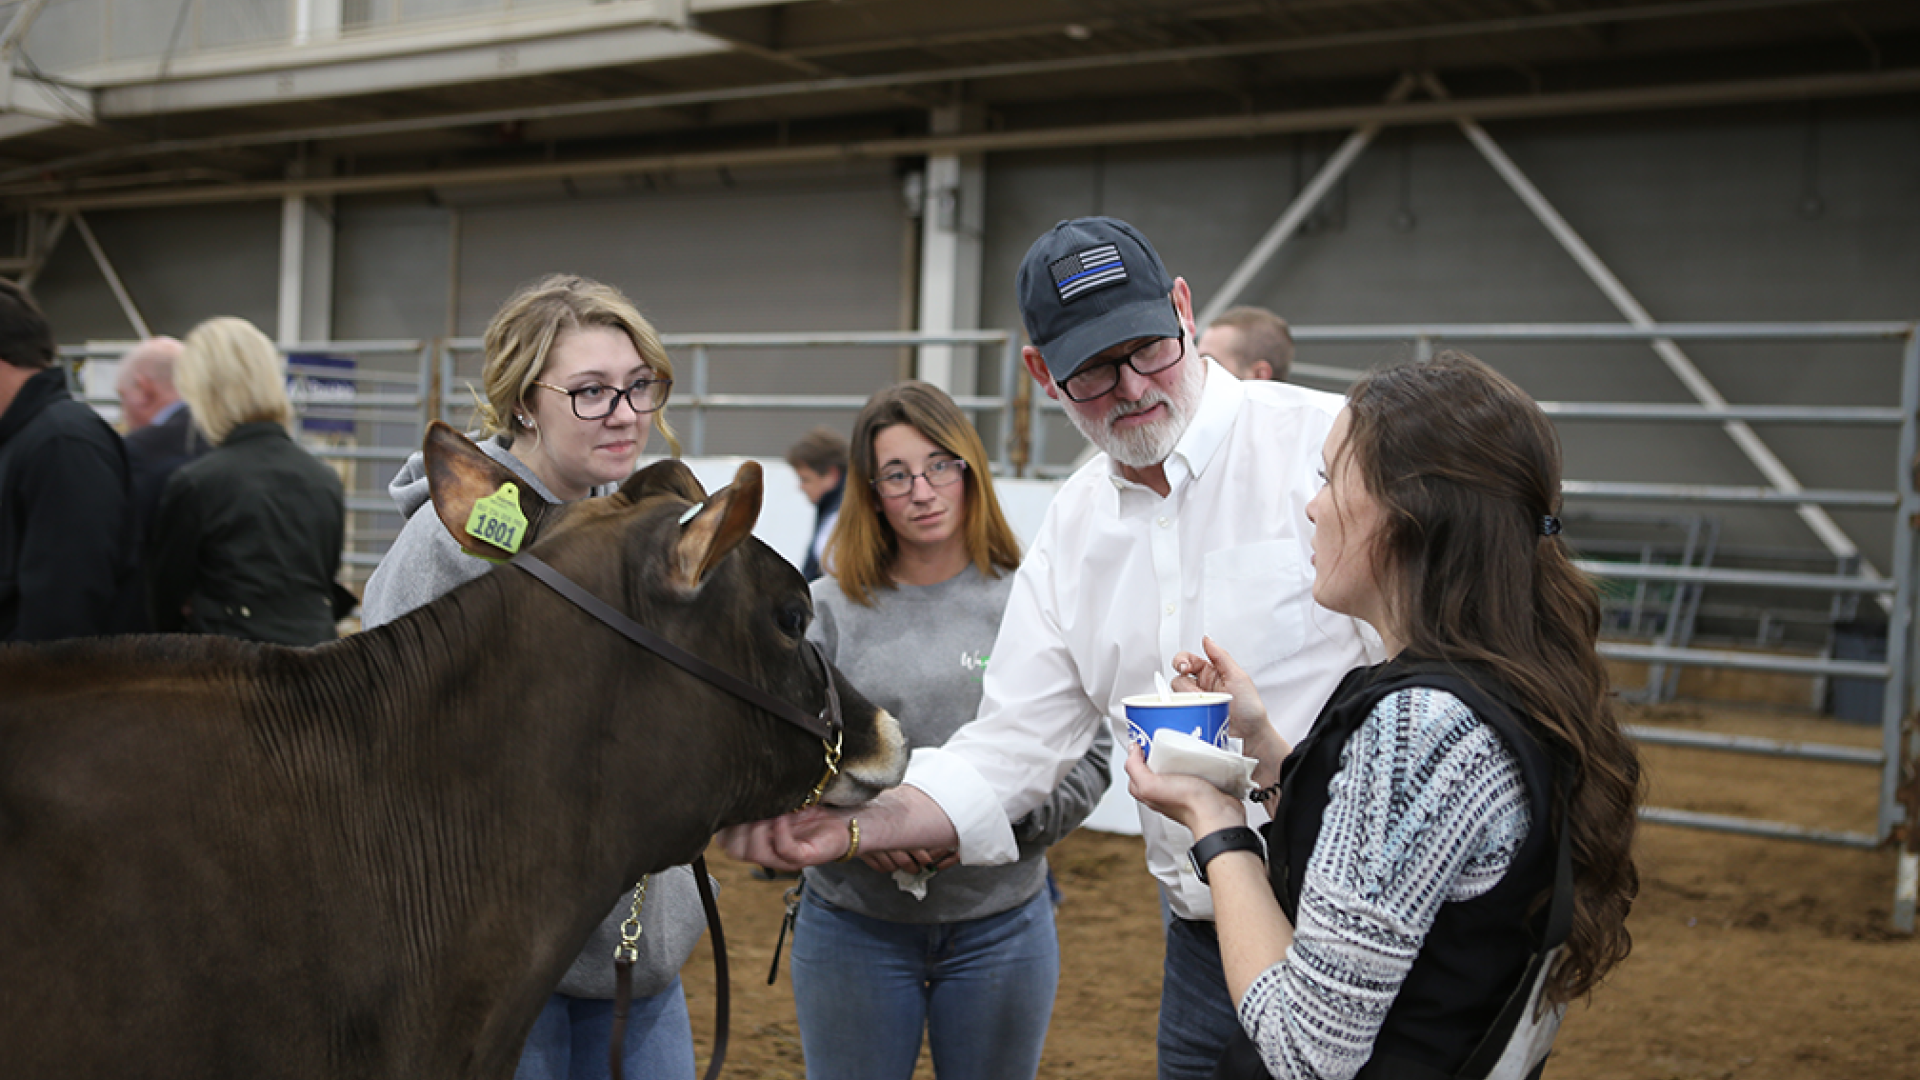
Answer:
(425, 563)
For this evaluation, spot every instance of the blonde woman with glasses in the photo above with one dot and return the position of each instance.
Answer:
(575, 380)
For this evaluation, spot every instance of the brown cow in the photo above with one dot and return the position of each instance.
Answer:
(376, 858)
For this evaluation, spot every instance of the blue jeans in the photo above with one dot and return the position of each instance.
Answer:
(1197, 1017)
(569, 1040)
(981, 989)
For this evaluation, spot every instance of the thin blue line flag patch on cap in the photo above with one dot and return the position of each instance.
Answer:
(1085, 271)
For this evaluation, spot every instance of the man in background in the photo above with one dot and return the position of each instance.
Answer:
(158, 427)
(1252, 343)
(820, 460)
(68, 565)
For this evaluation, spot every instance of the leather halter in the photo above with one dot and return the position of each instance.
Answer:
(827, 726)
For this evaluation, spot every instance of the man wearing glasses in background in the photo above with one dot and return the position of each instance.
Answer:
(1192, 521)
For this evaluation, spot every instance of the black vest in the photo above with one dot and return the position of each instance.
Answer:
(1477, 950)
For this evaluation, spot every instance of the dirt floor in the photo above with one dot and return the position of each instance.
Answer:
(1756, 959)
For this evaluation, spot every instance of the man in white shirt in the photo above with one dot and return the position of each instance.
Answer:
(1193, 521)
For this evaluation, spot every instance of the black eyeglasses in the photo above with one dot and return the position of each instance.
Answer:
(1098, 380)
(896, 481)
(596, 402)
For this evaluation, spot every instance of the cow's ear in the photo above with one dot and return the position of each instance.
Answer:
(716, 528)
(665, 477)
(463, 478)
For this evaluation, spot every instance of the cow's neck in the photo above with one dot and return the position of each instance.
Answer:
(490, 766)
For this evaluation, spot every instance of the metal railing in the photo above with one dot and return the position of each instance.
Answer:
(693, 359)
(388, 423)
(1898, 817)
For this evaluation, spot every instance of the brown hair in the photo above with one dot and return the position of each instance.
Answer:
(26, 341)
(523, 331)
(863, 546)
(1267, 337)
(1466, 467)
(820, 449)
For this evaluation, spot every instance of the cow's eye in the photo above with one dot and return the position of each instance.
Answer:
(793, 619)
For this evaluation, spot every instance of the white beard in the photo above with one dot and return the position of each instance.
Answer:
(1148, 445)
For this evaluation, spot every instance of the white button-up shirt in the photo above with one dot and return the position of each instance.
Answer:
(1119, 580)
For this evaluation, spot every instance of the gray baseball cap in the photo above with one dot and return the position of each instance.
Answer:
(1088, 285)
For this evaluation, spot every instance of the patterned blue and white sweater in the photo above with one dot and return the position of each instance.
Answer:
(1428, 806)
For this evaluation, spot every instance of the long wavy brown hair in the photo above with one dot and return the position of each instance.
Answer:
(863, 546)
(1466, 469)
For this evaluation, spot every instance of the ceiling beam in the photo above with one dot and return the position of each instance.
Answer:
(894, 80)
(1744, 92)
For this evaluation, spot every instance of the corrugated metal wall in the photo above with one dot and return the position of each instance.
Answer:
(1764, 214)
(1703, 217)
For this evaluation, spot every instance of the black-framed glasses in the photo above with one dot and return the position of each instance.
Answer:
(895, 481)
(597, 402)
(1098, 380)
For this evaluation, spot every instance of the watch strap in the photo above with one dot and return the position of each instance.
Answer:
(1235, 838)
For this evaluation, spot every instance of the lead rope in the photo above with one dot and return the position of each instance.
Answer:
(628, 952)
(624, 955)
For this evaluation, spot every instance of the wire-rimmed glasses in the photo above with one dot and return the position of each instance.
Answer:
(896, 481)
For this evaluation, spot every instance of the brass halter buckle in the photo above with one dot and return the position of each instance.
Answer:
(833, 770)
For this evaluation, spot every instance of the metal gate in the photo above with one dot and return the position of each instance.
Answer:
(374, 408)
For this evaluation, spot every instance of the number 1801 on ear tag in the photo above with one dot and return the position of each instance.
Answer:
(497, 519)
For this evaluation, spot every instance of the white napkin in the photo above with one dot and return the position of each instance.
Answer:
(1178, 752)
(914, 882)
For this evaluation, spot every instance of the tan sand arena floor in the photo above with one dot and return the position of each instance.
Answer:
(1753, 959)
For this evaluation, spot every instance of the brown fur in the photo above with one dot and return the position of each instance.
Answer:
(375, 858)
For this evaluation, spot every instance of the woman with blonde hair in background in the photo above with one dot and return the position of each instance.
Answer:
(574, 380)
(247, 538)
(906, 942)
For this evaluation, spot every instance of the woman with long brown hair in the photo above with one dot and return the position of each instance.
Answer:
(1456, 831)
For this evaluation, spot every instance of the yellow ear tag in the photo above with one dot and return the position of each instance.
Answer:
(497, 519)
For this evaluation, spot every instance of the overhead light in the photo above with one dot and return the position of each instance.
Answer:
(1078, 32)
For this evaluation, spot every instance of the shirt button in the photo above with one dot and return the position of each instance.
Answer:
(1164, 523)
(1170, 608)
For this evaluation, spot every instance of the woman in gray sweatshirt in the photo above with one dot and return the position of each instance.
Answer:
(574, 377)
(891, 946)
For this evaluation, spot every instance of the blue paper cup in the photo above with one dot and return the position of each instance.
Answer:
(1200, 714)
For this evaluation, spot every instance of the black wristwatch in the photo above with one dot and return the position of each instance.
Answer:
(1237, 838)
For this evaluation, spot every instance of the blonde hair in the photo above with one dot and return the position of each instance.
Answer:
(229, 373)
(863, 546)
(523, 331)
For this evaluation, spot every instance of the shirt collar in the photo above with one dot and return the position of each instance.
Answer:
(1220, 400)
(166, 412)
(1206, 433)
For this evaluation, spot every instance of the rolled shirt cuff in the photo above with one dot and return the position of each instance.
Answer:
(986, 836)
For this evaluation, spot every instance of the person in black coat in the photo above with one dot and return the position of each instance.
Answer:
(158, 430)
(247, 538)
(68, 557)
(156, 424)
